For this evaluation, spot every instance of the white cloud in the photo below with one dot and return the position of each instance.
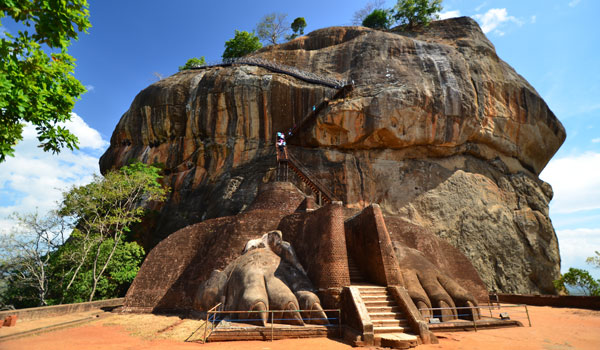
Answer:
(596, 140)
(494, 18)
(449, 14)
(88, 137)
(533, 19)
(34, 178)
(480, 6)
(576, 245)
(574, 3)
(90, 88)
(576, 182)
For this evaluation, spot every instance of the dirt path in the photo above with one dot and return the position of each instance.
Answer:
(553, 329)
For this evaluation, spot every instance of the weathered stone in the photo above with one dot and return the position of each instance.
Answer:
(438, 130)
(176, 275)
(267, 276)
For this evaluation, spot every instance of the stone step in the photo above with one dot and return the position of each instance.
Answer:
(364, 290)
(371, 291)
(379, 330)
(363, 295)
(390, 323)
(378, 309)
(378, 303)
(385, 315)
(397, 340)
(377, 297)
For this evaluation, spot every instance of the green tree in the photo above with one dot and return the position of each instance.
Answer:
(272, 27)
(378, 19)
(594, 260)
(37, 87)
(193, 62)
(580, 280)
(119, 274)
(360, 15)
(241, 44)
(412, 13)
(39, 265)
(104, 211)
(297, 27)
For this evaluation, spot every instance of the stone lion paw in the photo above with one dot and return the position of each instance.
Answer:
(267, 276)
(431, 288)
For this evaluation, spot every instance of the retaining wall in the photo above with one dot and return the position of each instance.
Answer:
(581, 302)
(57, 310)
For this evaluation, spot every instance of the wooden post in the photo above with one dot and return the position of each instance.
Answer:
(528, 319)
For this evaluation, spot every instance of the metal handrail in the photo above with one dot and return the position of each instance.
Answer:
(489, 307)
(341, 93)
(272, 317)
(320, 187)
(279, 68)
(206, 323)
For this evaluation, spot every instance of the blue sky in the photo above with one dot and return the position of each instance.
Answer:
(554, 44)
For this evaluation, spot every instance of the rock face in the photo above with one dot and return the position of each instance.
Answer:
(438, 130)
(225, 260)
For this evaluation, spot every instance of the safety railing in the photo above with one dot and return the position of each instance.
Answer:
(219, 320)
(278, 68)
(306, 176)
(499, 312)
(210, 321)
(312, 114)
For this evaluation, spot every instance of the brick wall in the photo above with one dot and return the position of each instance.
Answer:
(370, 245)
(574, 301)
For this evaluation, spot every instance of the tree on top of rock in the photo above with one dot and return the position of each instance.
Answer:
(360, 15)
(297, 27)
(242, 44)
(193, 62)
(378, 19)
(412, 13)
(273, 27)
(37, 87)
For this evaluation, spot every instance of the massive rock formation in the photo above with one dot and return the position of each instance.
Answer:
(438, 130)
(213, 261)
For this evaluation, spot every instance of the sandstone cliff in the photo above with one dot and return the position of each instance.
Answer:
(438, 130)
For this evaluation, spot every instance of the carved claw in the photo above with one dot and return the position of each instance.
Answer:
(261, 316)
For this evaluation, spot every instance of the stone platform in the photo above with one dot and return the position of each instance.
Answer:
(242, 331)
(465, 325)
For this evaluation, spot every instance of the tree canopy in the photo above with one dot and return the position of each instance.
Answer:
(272, 28)
(35, 86)
(297, 27)
(193, 62)
(241, 44)
(98, 260)
(594, 260)
(360, 15)
(411, 13)
(378, 19)
(580, 280)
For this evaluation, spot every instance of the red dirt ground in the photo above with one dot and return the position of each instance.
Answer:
(553, 329)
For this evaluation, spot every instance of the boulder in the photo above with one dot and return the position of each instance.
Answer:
(438, 130)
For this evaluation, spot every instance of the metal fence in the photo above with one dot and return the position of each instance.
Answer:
(219, 320)
(499, 312)
(279, 68)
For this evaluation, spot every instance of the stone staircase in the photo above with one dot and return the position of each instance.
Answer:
(356, 275)
(389, 322)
